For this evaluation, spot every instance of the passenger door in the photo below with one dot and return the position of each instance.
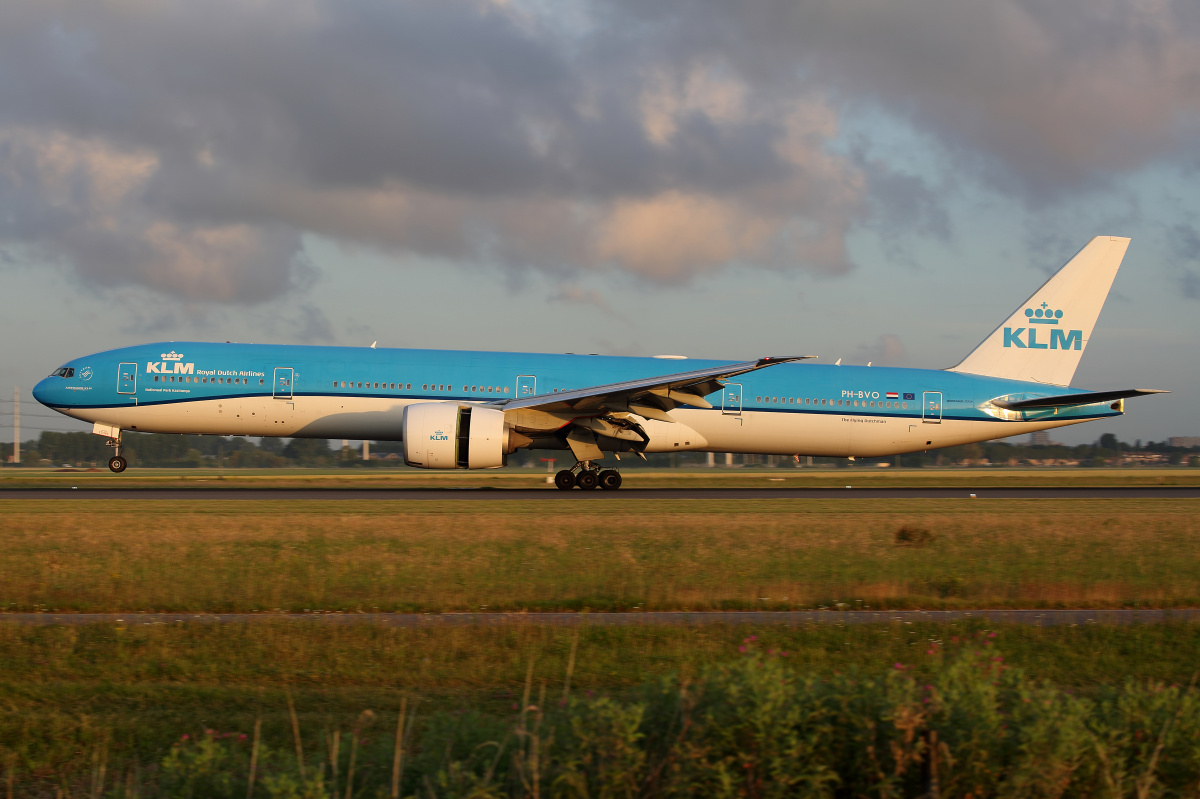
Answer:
(526, 386)
(931, 407)
(282, 386)
(731, 399)
(127, 378)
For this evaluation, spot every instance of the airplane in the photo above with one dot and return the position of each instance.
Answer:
(471, 410)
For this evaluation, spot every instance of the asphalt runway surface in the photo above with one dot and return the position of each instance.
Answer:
(576, 495)
(1041, 618)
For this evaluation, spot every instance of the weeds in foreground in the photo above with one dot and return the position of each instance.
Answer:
(751, 727)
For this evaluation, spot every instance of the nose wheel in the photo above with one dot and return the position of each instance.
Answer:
(587, 478)
(117, 464)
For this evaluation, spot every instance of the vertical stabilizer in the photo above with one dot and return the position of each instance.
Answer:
(1045, 337)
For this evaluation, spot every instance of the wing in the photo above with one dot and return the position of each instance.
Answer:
(650, 397)
(1070, 400)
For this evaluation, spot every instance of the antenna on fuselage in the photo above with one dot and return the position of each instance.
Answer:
(373, 343)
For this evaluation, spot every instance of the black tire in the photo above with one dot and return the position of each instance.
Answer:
(610, 479)
(587, 480)
(117, 464)
(565, 480)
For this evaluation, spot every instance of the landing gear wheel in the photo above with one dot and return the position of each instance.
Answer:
(610, 479)
(565, 480)
(117, 464)
(587, 480)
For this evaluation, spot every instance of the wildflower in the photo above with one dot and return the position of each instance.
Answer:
(185, 737)
(783, 654)
(242, 737)
(899, 667)
(742, 648)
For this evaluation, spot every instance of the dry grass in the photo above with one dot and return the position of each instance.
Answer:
(422, 556)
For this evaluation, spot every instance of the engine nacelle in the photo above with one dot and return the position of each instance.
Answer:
(446, 435)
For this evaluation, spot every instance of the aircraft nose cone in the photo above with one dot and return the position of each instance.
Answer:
(42, 392)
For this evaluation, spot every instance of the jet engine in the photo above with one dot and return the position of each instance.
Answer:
(446, 435)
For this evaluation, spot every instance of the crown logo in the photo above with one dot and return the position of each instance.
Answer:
(172, 356)
(1045, 315)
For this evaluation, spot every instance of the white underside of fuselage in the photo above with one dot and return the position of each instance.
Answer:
(753, 432)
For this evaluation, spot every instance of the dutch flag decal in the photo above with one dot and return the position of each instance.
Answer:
(893, 395)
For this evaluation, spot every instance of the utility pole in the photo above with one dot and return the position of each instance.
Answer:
(17, 426)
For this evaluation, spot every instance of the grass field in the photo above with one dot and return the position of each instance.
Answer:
(784, 477)
(75, 701)
(132, 692)
(117, 555)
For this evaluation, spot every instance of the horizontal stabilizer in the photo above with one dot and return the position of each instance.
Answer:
(1069, 400)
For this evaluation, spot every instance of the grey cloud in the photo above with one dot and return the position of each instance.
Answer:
(886, 350)
(577, 295)
(1040, 97)
(312, 326)
(187, 146)
(1189, 284)
(1184, 241)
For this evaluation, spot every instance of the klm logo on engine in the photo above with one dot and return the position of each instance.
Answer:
(438, 435)
(170, 365)
(1027, 338)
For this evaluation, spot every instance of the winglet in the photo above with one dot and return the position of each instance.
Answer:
(771, 360)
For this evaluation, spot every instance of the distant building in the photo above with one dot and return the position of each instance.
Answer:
(1184, 441)
(1041, 438)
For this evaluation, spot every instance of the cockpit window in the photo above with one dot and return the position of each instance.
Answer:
(63, 371)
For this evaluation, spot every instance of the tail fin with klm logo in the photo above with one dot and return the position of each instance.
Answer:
(1045, 337)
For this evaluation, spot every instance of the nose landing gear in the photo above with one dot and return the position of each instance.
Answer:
(588, 478)
(117, 462)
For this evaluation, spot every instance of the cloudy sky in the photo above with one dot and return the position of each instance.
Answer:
(860, 179)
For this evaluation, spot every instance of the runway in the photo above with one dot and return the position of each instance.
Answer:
(794, 618)
(554, 495)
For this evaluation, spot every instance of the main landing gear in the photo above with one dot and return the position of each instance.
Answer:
(588, 478)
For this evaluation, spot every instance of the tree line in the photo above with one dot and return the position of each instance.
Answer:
(181, 451)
